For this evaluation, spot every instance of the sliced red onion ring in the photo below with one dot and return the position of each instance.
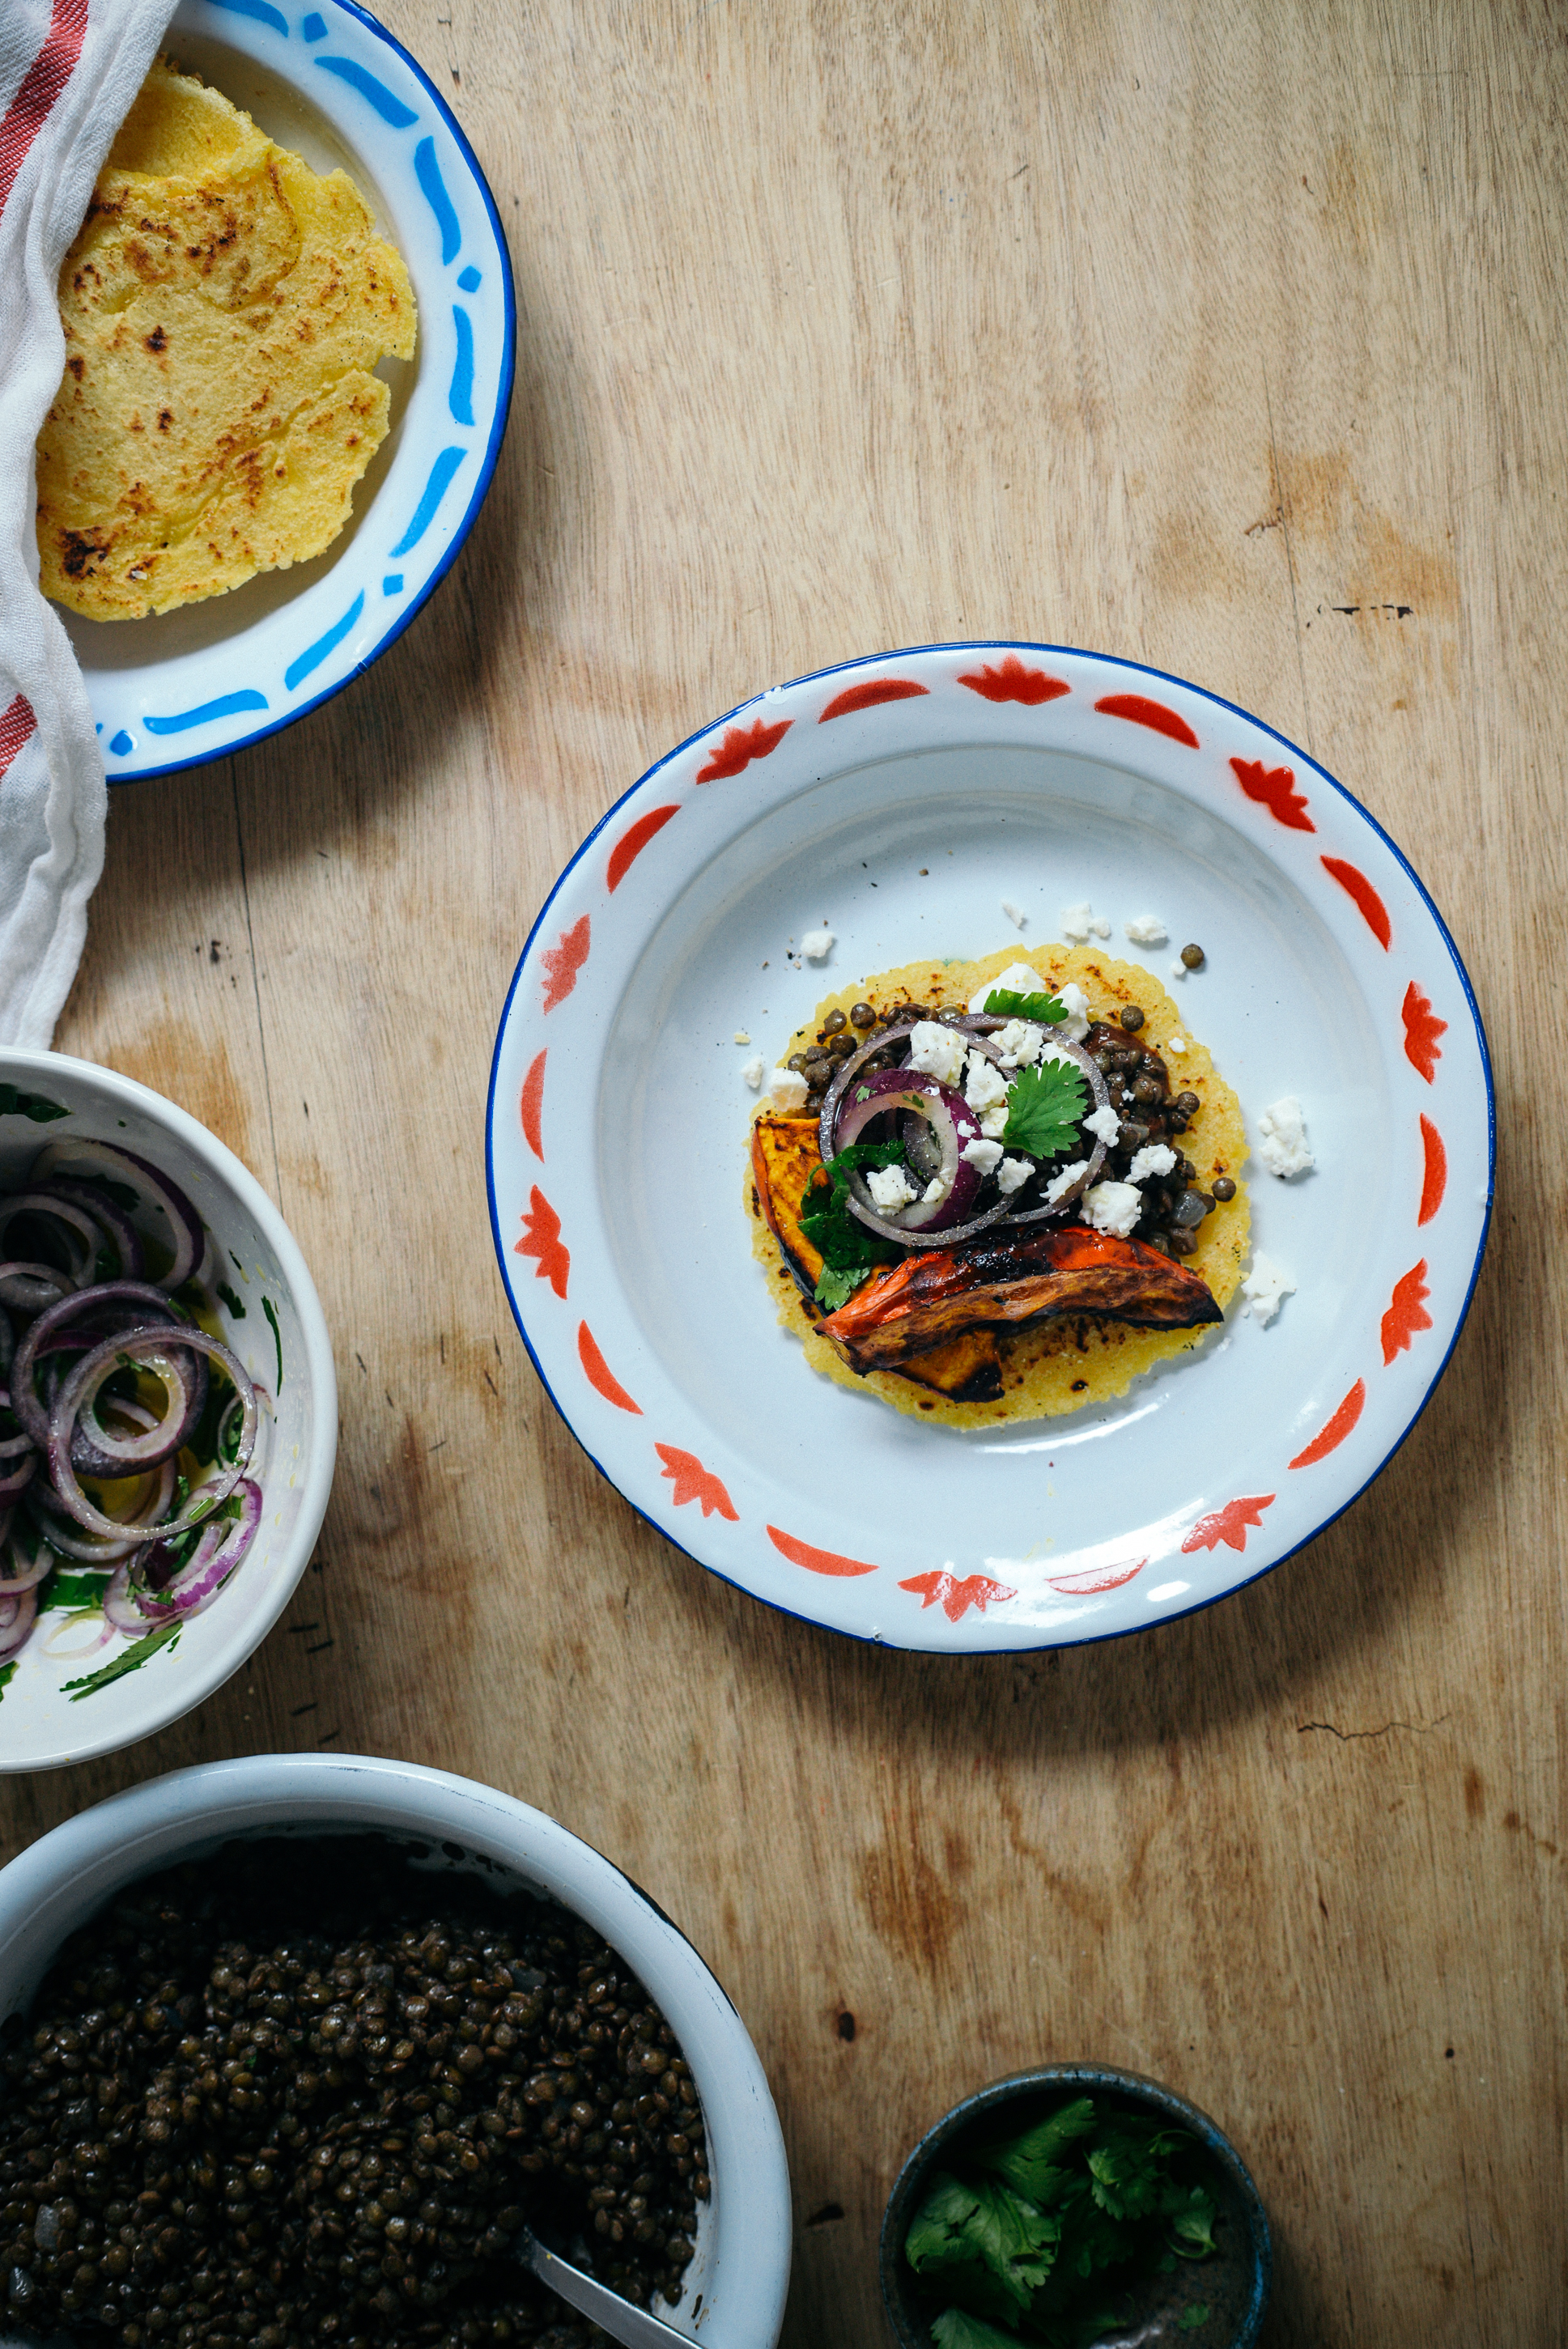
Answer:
(90, 1618)
(130, 1302)
(82, 1386)
(977, 1030)
(18, 1571)
(187, 1232)
(100, 1450)
(32, 1288)
(16, 1476)
(113, 1221)
(952, 1125)
(119, 1608)
(62, 1532)
(220, 1549)
(84, 1236)
(17, 1629)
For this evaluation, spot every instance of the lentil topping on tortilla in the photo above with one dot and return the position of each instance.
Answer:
(1008, 1218)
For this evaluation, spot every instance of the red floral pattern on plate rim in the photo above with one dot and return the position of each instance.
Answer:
(1273, 788)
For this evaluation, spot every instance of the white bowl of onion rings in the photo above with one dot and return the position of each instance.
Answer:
(168, 1412)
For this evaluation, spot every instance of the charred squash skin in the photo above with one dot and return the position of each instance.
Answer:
(786, 1154)
(928, 1299)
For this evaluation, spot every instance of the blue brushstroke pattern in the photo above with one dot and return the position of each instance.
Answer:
(472, 279)
(314, 27)
(460, 398)
(393, 585)
(390, 109)
(262, 10)
(442, 472)
(313, 655)
(225, 706)
(428, 172)
(121, 743)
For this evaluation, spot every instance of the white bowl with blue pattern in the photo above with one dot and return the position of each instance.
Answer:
(180, 688)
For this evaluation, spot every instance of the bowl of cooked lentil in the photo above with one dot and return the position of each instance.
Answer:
(292, 2046)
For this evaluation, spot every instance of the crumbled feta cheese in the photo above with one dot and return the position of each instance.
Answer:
(1012, 1173)
(1178, 969)
(1113, 1207)
(890, 1188)
(1060, 1184)
(1017, 980)
(985, 1085)
(1263, 1287)
(1146, 930)
(1019, 1043)
(1076, 1027)
(816, 945)
(1154, 1158)
(1176, 1044)
(1104, 1125)
(938, 1051)
(788, 1089)
(1282, 1138)
(751, 1071)
(1014, 914)
(933, 1190)
(984, 1156)
(1081, 922)
(993, 1122)
(742, 1037)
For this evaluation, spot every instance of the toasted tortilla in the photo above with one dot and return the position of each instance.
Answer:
(224, 307)
(1049, 1367)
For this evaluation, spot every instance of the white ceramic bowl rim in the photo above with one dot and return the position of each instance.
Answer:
(61, 1880)
(769, 702)
(250, 1626)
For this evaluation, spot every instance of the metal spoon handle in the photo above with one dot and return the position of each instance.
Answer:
(623, 2322)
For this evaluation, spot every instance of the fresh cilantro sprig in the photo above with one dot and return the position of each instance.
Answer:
(1045, 2236)
(1045, 1109)
(849, 1252)
(1002, 1003)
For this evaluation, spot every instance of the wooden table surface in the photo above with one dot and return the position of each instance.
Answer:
(1226, 338)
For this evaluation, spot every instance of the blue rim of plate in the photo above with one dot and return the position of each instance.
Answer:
(262, 12)
(966, 645)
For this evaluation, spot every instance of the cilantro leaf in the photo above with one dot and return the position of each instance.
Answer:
(1193, 2227)
(1193, 2315)
(843, 1242)
(1127, 2180)
(984, 2225)
(61, 1588)
(838, 1285)
(1044, 1110)
(7, 1671)
(31, 1106)
(126, 1661)
(939, 2224)
(956, 2329)
(1030, 2163)
(1002, 1003)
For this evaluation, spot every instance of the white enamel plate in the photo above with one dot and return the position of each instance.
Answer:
(327, 81)
(619, 1125)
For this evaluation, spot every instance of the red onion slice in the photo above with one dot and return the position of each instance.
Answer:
(88, 1618)
(219, 1551)
(188, 1233)
(19, 1571)
(100, 1450)
(84, 1235)
(112, 1222)
(952, 1124)
(83, 1384)
(130, 1302)
(119, 1608)
(32, 1288)
(17, 1631)
(62, 1532)
(16, 1476)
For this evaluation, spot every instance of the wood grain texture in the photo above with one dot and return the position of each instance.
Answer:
(1229, 339)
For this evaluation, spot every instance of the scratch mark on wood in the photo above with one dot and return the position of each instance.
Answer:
(1416, 1728)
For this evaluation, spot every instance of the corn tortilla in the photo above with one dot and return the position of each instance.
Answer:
(223, 308)
(1052, 1367)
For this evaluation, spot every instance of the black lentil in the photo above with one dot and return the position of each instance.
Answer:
(1223, 1187)
(862, 1016)
(303, 2094)
(833, 1024)
(1193, 958)
(1187, 1104)
(1131, 1017)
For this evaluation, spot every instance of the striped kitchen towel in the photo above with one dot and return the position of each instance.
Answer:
(69, 72)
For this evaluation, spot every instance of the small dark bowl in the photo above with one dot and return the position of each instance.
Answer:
(1235, 2284)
